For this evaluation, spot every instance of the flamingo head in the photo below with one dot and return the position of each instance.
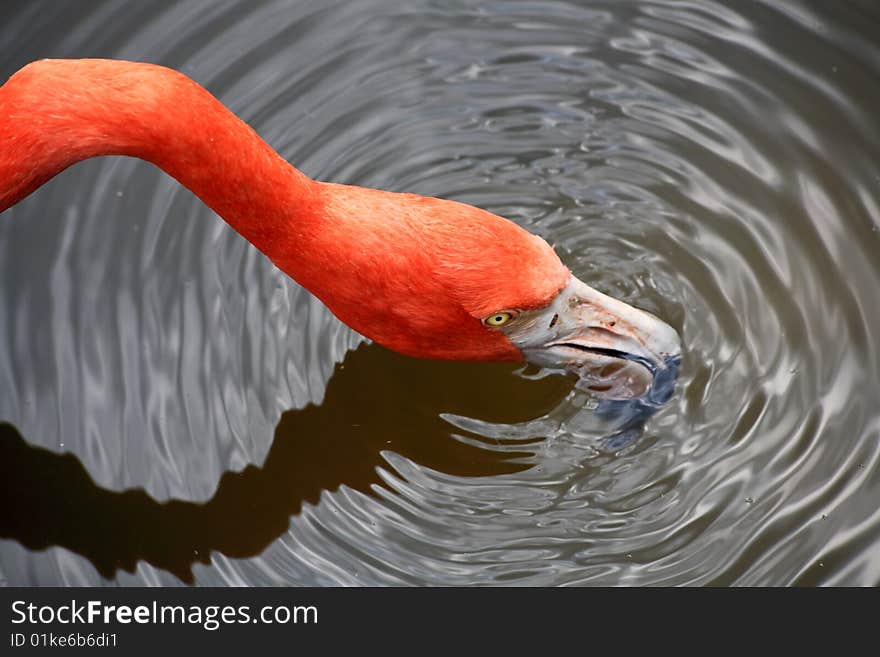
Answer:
(440, 279)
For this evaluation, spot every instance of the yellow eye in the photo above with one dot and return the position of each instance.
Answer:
(498, 319)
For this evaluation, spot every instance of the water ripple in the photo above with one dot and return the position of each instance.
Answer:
(713, 165)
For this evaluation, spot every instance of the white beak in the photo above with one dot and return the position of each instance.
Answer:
(616, 349)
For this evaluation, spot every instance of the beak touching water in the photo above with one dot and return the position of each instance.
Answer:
(617, 350)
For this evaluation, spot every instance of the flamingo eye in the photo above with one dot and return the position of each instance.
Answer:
(498, 319)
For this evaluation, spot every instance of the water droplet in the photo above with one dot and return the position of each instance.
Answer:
(749, 500)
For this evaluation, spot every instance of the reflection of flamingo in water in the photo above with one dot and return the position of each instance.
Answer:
(317, 448)
(423, 276)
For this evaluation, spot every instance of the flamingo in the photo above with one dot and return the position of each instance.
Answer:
(423, 276)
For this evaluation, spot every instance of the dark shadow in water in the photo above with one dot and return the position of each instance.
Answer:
(49, 499)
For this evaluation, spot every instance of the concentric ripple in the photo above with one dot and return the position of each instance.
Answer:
(715, 166)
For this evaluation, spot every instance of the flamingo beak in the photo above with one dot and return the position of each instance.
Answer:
(616, 350)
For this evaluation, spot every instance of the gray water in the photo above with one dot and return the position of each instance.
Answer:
(180, 411)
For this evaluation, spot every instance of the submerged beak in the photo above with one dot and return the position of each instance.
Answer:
(617, 350)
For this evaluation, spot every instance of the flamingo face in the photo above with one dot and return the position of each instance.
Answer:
(462, 283)
(614, 348)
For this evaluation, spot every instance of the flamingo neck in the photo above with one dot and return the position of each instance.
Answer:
(56, 113)
(415, 274)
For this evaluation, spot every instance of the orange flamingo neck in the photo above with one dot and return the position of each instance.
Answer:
(58, 112)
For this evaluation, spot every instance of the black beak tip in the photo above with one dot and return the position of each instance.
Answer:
(664, 381)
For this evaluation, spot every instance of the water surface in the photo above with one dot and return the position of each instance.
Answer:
(180, 411)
